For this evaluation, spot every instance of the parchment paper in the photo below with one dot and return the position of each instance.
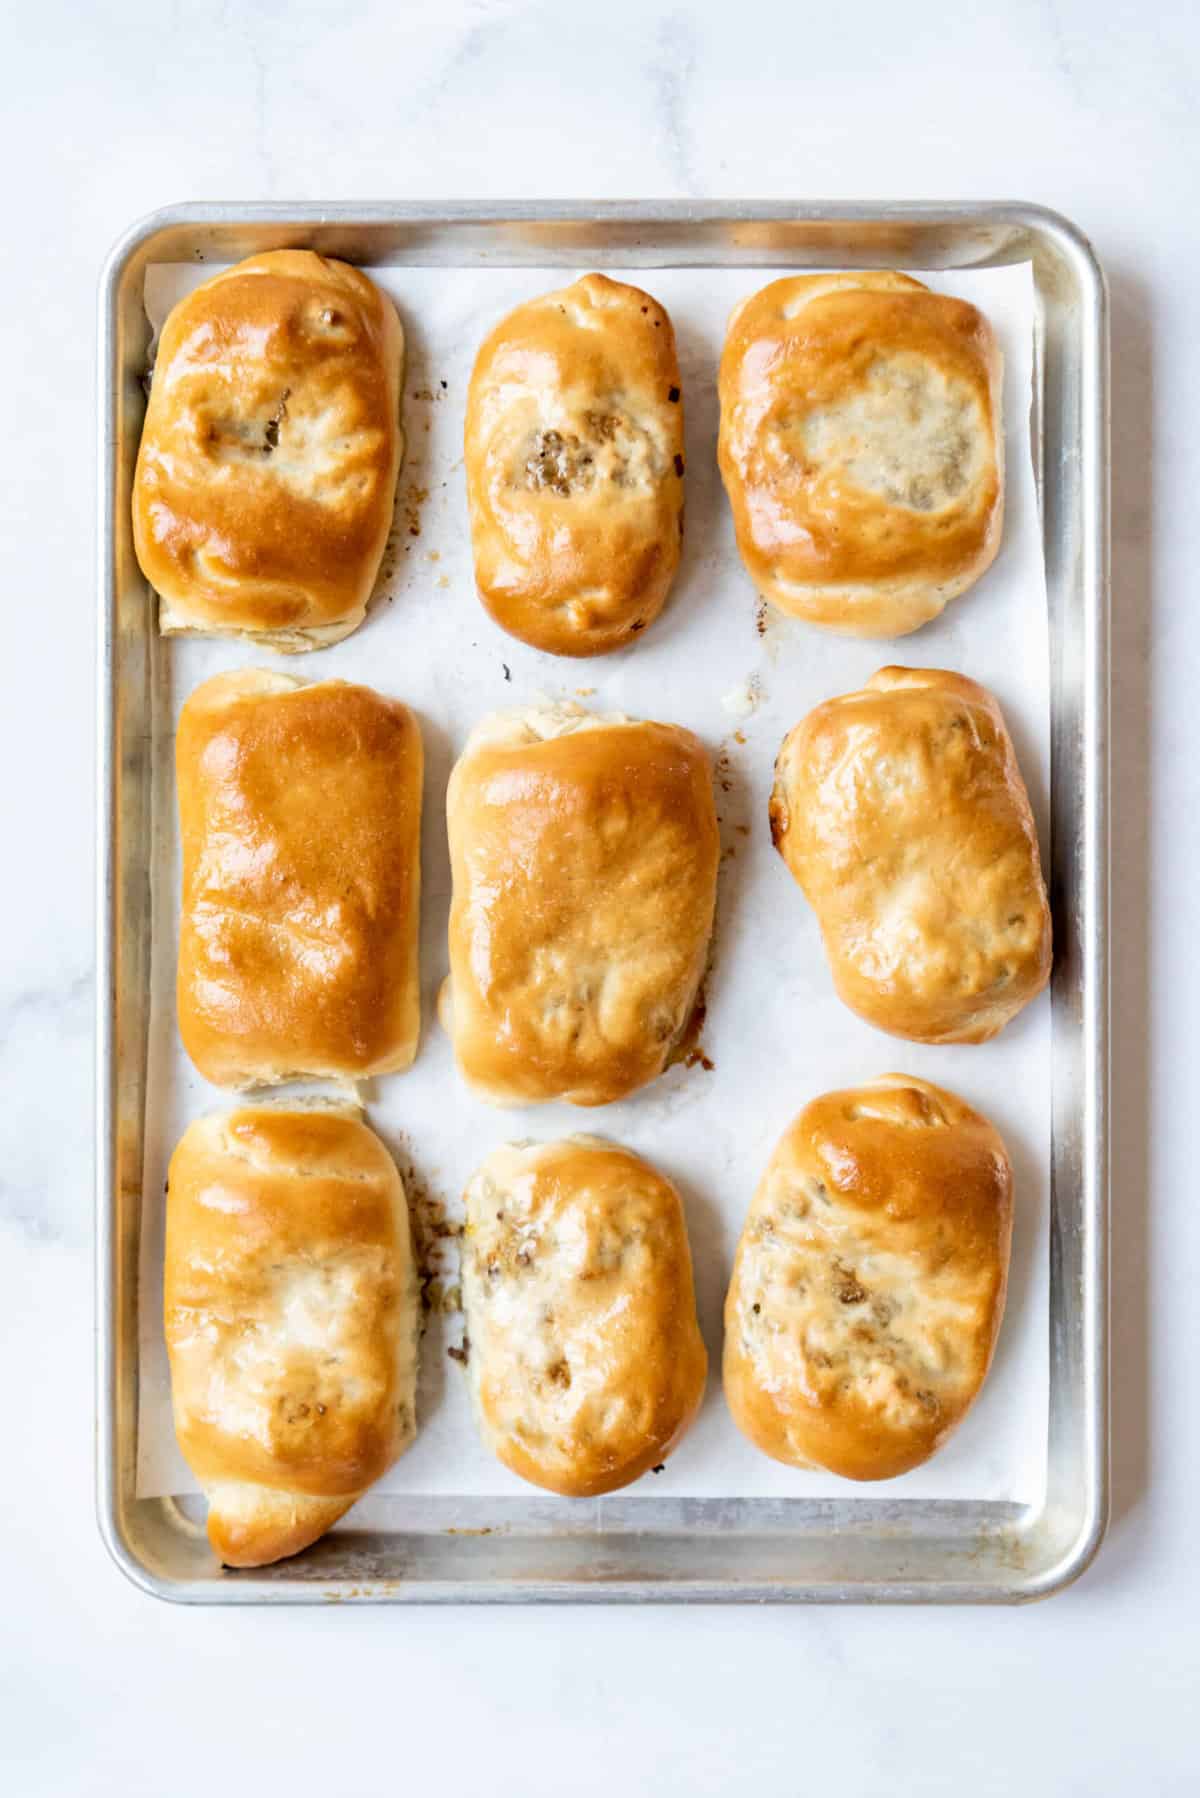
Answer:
(740, 675)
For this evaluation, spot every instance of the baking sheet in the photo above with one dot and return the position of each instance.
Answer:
(739, 675)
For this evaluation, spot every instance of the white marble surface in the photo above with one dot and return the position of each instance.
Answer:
(112, 109)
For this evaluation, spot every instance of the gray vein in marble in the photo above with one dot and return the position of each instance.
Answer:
(63, 995)
(1064, 63)
(471, 48)
(40, 1029)
(671, 74)
(1083, 60)
(262, 130)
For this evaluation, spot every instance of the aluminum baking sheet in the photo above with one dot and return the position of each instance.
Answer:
(740, 676)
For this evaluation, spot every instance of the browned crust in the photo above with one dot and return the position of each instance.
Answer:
(869, 1284)
(300, 815)
(290, 1318)
(901, 812)
(577, 571)
(285, 359)
(589, 1235)
(829, 550)
(584, 870)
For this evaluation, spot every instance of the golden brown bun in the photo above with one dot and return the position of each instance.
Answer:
(574, 452)
(291, 1317)
(267, 473)
(862, 448)
(300, 818)
(583, 852)
(869, 1282)
(586, 1362)
(902, 814)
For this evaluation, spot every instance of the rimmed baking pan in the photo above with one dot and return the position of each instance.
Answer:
(646, 1549)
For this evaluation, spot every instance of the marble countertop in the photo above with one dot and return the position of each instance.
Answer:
(113, 109)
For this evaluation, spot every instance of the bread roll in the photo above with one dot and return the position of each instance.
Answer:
(291, 1319)
(584, 854)
(901, 812)
(300, 819)
(585, 1361)
(862, 448)
(267, 472)
(574, 455)
(869, 1283)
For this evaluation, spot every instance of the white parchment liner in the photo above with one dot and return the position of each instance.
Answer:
(739, 675)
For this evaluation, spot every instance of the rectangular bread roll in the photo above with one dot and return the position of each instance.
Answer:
(266, 478)
(574, 458)
(300, 820)
(862, 447)
(291, 1315)
(584, 854)
(902, 814)
(870, 1279)
(586, 1361)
